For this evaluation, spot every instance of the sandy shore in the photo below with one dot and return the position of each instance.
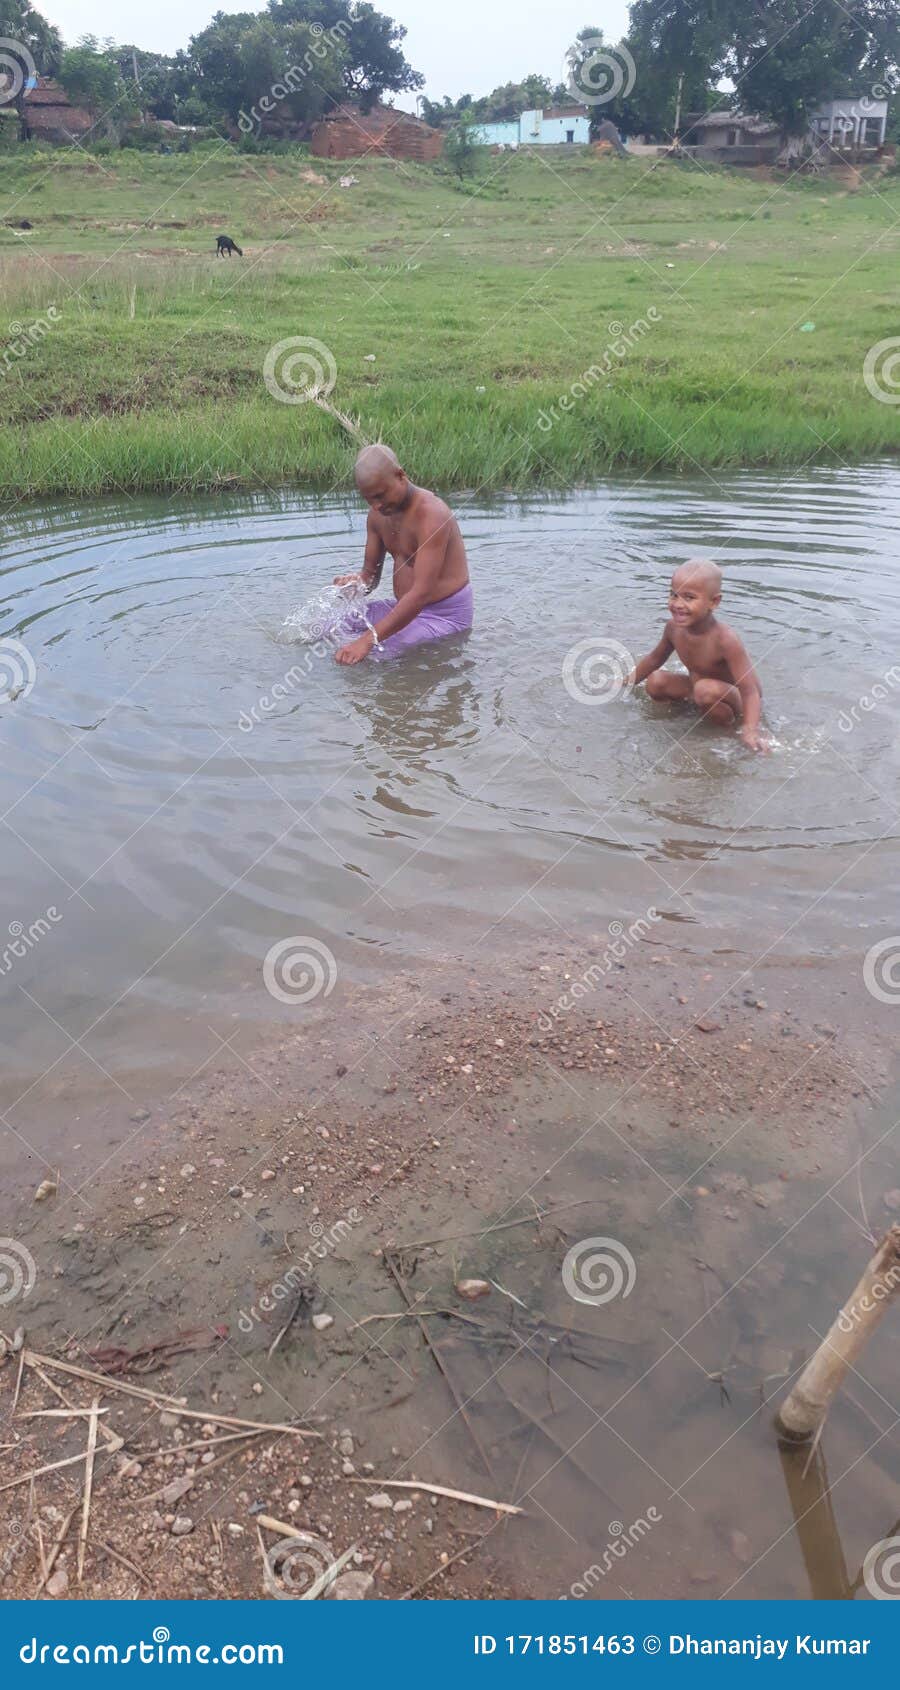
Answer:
(710, 1128)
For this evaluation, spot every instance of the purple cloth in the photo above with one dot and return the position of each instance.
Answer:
(452, 615)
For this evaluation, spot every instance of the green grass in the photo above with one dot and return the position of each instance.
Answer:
(480, 308)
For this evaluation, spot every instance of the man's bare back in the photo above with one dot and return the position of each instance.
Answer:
(423, 538)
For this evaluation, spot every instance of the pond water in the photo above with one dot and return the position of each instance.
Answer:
(179, 815)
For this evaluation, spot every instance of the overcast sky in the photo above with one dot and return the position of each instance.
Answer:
(468, 46)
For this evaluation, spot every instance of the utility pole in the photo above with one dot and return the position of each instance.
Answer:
(678, 105)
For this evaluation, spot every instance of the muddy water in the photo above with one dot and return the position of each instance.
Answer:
(178, 827)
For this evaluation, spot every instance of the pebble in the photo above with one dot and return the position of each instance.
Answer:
(380, 1499)
(351, 1587)
(402, 1507)
(235, 1191)
(267, 1174)
(345, 1443)
(58, 1582)
(347, 1468)
(321, 1322)
(188, 1170)
(181, 1525)
(257, 1388)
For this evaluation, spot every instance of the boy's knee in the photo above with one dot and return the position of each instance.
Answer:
(707, 693)
(656, 684)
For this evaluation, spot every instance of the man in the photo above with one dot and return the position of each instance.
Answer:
(432, 595)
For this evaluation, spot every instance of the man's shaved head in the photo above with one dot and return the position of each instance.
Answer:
(374, 462)
(706, 574)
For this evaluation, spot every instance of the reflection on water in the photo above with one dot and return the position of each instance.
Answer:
(187, 790)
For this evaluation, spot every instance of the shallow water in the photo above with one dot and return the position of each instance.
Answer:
(180, 816)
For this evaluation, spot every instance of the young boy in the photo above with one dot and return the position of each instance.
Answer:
(720, 677)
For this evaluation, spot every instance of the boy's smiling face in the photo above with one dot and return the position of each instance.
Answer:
(695, 593)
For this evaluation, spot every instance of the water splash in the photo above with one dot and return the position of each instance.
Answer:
(333, 612)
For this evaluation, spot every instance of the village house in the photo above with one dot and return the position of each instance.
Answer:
(383, 132)
(48, 112)
(857, 124)
(557, 126)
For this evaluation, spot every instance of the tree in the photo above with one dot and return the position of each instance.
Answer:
(34, 49)
(461, 148)
(91, 78)
(372, 43)
(786, 60)
(161, 83)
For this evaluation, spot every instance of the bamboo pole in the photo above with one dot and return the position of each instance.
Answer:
(804, 1410)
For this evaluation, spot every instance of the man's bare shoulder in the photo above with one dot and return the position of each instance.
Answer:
(432, 510)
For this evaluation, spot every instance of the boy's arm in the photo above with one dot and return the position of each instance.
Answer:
(745, 679)
(429, 561)
(654, 660)
(373, 560)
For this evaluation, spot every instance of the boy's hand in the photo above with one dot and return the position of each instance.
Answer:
(345, 580)
(754, 739)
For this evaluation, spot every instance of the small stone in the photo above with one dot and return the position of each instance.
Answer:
(380, 1499)
(58, 1582)
(472, 1288)
(181, 1525)
(47, 1188)
(321, 1322)
(267, 1174)
(740, 1547)
(345, 1443)
(188, 1170)
(140, 1115)
(305, 1481)
(235, 1191)
(257, 1388)
(402, 1507)
(293, 1506)
(351, 1587)
(167, 1418)
(347, 1468)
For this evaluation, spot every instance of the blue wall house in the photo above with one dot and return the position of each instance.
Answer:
(559, 126)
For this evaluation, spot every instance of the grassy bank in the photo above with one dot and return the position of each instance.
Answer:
(685, 295)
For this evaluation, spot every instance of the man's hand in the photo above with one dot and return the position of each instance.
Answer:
(356, 650)
(345, 580)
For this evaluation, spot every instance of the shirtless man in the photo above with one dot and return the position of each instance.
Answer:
(720, 676)
(432, 595)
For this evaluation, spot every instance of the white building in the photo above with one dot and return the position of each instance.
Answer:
(559, 126)
(859, 121)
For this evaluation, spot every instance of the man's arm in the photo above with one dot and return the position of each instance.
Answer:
(654, 660)
(745, 679)
(430, 557)
(373, 560)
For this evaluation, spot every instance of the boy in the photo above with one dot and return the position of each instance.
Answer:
(720, 677)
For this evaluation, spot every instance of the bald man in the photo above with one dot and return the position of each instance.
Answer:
(432, 595)
(720, 679)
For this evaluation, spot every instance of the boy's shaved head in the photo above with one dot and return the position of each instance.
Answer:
(701, 570)
(374, 462)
